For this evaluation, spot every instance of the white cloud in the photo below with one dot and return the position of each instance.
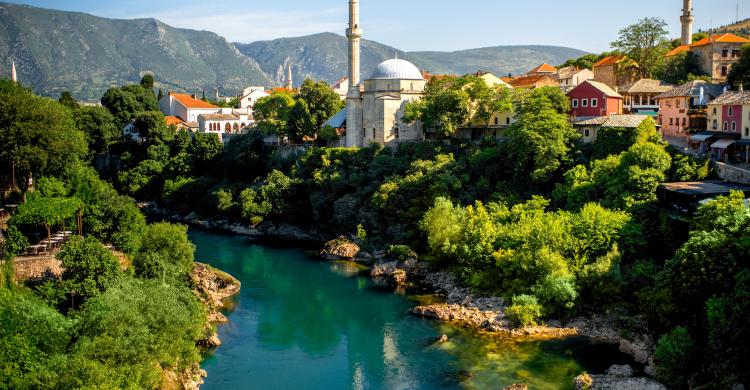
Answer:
(248, 26)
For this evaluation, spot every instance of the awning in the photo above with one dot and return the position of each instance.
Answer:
(722, 143)
(700, 137)
(742, 142)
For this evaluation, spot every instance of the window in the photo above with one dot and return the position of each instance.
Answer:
(725, 53)
(734, 126)
(586, 133)
(507, 120)
(373, 133)
(496, 120)
(575, 103)
(584, 102)
(678, 103)
(729, 110)
(714, 110)
(716, 125)
(684, 121)
(735, 53)
(594, 102)
(726, 125)
(747, 132)
(724, 71)
(228, 128)
(671, 121)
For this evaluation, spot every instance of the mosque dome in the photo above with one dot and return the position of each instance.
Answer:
(396, 69)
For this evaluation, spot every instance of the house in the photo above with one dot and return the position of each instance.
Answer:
(543, 69)
(640, 96)
(684, 108)
(716, 54)
(615, 70)
(589, 126)
(251, 95)
(176, 122)
(531, 82)
(491, 80)
(570, 76)
(593, 99)
(185, 107)
(498, 122)
(224, 122)
(131, 131)
(729, 125)
(341, 87)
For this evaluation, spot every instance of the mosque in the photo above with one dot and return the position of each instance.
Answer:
(375, 107)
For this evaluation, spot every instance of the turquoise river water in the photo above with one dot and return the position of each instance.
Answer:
(303, 323)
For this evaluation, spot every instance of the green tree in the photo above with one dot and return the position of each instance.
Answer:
(645, 42)
(320, 100)
(165, 253)
(615, 140)
(539, 143)
(301, 121)
(680, 68)
(151, 126)
(444, 108)
(37, 135)
(99, 126)
(487, 100)
(47, 212)
(125, 102)
(740, 72)
(147, 81)
(90, 268)
(205, 154)
(67, 100)
(272, 113)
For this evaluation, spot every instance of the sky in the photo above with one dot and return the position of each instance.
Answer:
(414, 25)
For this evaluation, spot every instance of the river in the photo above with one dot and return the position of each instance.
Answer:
(302, 323)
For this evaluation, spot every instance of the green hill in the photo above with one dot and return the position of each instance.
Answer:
(56, 51)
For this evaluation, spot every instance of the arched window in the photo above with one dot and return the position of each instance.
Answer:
(734, 126)
(236, 126)
(730, 110)
(242, 126)
(726, 125)
(228, 128)
(716, 125)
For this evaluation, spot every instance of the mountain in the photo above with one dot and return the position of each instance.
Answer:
(741, 27)
(323, 56)
(56, 51)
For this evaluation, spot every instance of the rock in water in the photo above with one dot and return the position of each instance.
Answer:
(517, 386)
(339, 249)
(442, 339)
(624, 371)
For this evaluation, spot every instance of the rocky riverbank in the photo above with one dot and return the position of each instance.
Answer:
(458, 304)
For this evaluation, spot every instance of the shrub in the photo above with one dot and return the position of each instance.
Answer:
(90, 268)
(672, 352)
(165, 253)
(524, 311)
(400, 253)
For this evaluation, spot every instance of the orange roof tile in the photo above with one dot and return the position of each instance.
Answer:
(190, 102)
(723, 38)
(677, 50)
(543, 68)
(610, 60)
(281, 90)
(530, 81)
(173, 120)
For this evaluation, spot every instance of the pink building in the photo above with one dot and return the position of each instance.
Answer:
(729, 126)
(592, 98)
(683, 109)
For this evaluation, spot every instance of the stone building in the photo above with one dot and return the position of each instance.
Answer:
(715, 54)
(683, 109)
(640, 96)
(615, 71)
(374, 109)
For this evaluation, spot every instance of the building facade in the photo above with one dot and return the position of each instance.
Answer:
(594, 99)
(683, 109)
(570, 76)
(615, 71)
(536, 81)
(185, 106)
(250, 95)
(715, 54)
(640, 96)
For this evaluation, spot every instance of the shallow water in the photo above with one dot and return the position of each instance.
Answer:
(302, 323)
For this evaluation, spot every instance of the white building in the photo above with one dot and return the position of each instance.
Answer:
(251, 95)
(570, 77)
(225, 122)
(185, 106)
(341, 87)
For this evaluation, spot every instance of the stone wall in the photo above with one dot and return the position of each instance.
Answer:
(36, 267)
(732, 174)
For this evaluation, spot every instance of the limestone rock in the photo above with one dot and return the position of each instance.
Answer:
(640, 348)
(623, 371)
(339, 249)
(611, 382)
(442, 339)
(517, 386)
(583, 381)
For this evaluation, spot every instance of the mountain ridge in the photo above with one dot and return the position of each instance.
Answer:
(56, 51)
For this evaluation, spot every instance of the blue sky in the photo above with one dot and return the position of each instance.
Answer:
(417, 24)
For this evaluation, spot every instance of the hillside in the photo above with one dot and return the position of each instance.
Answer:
(323, 56)
(741, 27)
(56, 51)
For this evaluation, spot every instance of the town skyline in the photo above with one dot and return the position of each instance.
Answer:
(237, 23)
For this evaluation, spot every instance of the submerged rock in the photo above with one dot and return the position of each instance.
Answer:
(442, 339)
(339, 249)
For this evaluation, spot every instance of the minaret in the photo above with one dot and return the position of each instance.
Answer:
(13, 75)
(687, 22)
(289, 78)
(354, 99)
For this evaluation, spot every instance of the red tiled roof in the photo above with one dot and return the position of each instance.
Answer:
(173, 120)
(723, 38)
(529, 81)
(677, 50)
(191, 102)
(543, 68)
(281, 90)
(610, 60)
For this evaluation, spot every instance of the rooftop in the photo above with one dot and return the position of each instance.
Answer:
(218, 117)
(529, 81)
(610, 60)
(625, 121)
(732, 97)
(190, 102)
(396, 69)
(646, 86)
(603, 88)
(567, 72)
(543, 68)
(693, 89)
(173, 120)
(703, 187)
(721, 38)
